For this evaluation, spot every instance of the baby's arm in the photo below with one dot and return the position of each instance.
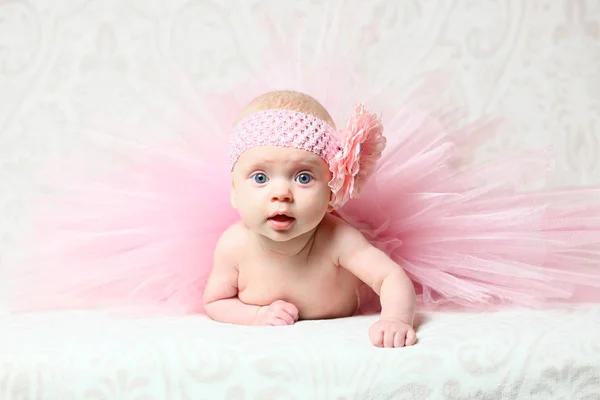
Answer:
(221, 302)
(220, 295)
(387, 279)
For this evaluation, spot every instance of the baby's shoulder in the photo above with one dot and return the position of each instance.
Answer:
(233, 239)
(338, 232)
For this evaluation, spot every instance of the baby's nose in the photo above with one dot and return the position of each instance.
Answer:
(282, 192)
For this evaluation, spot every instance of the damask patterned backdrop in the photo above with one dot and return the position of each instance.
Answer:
(535, 63)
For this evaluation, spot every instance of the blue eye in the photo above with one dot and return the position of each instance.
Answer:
(260, 178)
(304, 179)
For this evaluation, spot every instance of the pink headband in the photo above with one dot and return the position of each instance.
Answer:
(350, 153)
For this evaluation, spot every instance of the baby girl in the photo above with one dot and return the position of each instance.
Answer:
(289, 258)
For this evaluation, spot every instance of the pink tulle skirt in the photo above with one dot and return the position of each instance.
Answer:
(140, 237)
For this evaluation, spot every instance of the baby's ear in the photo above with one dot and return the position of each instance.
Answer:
(329, 206)
(232, 196)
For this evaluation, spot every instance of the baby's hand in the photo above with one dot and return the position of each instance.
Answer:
(277, 313)
(392, 334)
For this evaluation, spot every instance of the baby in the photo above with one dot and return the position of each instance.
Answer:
(289, 258)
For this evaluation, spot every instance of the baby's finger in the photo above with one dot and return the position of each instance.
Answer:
(411, 337)
(291, 310)
(277, 322)
(287, 318)
(399, 339)
(388, 338)
(376, 336)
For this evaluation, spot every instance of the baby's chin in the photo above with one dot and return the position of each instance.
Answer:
(286, 235)
(282, 236)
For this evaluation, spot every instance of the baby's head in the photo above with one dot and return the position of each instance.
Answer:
(287, 157)
(287, 100)
(280, 153)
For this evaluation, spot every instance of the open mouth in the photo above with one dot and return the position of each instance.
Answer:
(281, 221)
(281, 218)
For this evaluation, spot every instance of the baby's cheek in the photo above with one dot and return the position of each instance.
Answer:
(245, 206)
(325, 196)
(319, 205)
(252, 211)
(247, 198)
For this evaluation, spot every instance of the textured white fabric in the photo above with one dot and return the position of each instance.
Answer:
(551, 354)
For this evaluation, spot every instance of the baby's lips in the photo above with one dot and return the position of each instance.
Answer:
(281, 217)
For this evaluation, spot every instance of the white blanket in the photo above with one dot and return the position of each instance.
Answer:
(518, 354)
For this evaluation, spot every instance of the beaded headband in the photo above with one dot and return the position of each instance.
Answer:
(284, 128)
(351, 153)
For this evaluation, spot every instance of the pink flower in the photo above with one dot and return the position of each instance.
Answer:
(362, 145)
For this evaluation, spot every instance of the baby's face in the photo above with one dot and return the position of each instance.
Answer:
(280, 192)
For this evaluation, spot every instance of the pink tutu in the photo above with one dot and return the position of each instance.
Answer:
(141, 238)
